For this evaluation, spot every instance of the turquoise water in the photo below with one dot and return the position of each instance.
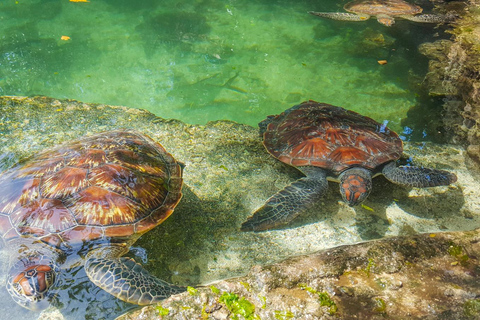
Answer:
(207, 60)
(199, 61)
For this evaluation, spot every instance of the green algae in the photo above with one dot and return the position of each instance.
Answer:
(162, 311)
(471, 308)
(457, 252)
(192, 291)
(263, 299)
(283, 315)
(323, 298)
(238, 306)
(381, 305)
(368, 268)
(215, 290)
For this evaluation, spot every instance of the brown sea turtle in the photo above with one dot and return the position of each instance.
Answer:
(331, 143)
(87, 202)
(385, 10)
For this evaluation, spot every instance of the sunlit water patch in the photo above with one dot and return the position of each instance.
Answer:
(210, 60)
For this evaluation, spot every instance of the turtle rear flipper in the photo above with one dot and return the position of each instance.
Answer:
(426, 18)
(288, 203)
(128, 280)
(418, 177)
(341, 16)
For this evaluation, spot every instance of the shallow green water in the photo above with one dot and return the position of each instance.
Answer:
(207, 60)
(199, 61)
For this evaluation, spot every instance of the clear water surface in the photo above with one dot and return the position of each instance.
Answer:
(206, 60)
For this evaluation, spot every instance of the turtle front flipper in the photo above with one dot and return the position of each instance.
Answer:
(418, 177)
(128, 280)
(425, 18)
(341, 16)
(288, 203)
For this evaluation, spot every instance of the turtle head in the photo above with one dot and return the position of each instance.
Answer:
(385, 20)
(29, 282)
(355, 185)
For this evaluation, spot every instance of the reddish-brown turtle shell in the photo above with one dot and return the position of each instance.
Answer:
(329, 137)
(387, 7)
(112, 184)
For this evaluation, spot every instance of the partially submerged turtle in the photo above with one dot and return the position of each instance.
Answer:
(331, 143)
(385, 10)
(87, 202)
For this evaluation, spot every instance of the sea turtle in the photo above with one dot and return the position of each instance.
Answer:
(87, 202)
(328, 142)
(385, 10)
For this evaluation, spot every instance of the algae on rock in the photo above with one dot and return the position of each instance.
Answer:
(454, 71)
(414, 277)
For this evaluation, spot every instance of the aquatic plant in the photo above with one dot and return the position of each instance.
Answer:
(323, 297)
(192, 291)
(370, 265)
(215, 289)
(238, 306)
(381, 306)
(162, 311)
(471, 308)
(457, 252)
(283, 315)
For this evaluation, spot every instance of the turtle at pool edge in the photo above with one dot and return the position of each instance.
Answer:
(384, 10)
(328, 142)
(86, 202)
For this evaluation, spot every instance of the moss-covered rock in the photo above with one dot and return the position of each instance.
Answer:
(428, 282)
(454, 71)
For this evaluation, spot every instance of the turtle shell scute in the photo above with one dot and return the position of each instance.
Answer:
(385, 7)
(329, 137)
(112, 184)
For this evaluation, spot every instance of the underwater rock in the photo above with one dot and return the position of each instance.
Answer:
(454, 71)
(429, 276)
(437, 80)
(228, 175)
(473, 151)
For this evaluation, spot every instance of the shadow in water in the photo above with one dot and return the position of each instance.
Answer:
(371, 218)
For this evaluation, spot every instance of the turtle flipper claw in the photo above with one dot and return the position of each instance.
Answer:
(287, 204)
(128, 281)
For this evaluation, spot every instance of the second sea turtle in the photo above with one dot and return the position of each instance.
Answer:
(384, 10)
(326, 142)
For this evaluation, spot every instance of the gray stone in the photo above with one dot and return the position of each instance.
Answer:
(435, 278)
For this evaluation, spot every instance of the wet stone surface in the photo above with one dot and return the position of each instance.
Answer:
(429, 276)
(228, 175)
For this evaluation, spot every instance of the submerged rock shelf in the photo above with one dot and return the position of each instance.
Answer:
(429, 276)
(228, 175)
